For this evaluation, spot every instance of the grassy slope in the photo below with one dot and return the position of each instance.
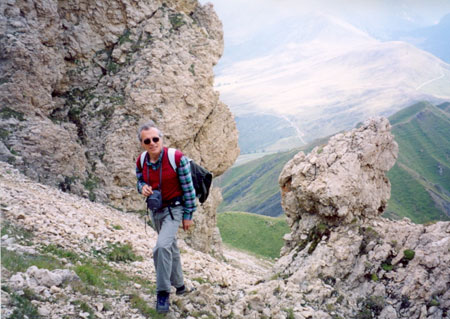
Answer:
(423, 167)
(253, 187)
(261, 235)
(421, 173)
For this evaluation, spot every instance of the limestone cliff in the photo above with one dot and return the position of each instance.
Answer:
(78, 77)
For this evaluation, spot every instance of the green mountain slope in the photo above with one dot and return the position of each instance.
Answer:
(261, 235)
(253, 187)
(420, 179)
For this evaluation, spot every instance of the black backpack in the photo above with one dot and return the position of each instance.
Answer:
(201, 177)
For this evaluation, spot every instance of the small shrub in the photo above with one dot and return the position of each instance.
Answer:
(387, 267)
(408, 254)
(192, 69)
(117, 227)
(119, 252)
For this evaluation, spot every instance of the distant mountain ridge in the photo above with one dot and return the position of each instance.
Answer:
(420, 179)
(433, 39)
(327, 75)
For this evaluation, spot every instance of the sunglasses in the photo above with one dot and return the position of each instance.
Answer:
(154, 139)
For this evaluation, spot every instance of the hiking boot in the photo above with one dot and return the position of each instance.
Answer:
(181, 290)
(162, 303)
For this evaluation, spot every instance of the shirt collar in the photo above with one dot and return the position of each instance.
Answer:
(155, 165)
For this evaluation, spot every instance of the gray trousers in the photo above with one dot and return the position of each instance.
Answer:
(166, 254)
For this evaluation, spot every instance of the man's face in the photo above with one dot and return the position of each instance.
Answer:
(150, 136)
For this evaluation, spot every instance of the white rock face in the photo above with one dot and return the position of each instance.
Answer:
(78, 78)
(345, 178)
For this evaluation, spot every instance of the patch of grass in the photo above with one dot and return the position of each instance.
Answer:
(289, 313)
(370, 307)
(22, 235)
(17, 262)
(102, 276)
(434, 302)
(176, 20)
(122, 252)
(117, 227)
(200, 280)
(61, 253)
(258, 234)
(91, 275)
(374, 277)
(91, 184)
(125, 37)
(4, 133)
(84, 307)
(138, 303)
(7, 113)
(22, 304)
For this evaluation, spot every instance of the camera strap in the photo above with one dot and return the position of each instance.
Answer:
(159, 187)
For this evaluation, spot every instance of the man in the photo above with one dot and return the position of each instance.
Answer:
(178, 205)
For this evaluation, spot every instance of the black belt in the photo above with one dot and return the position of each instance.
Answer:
(175, 201)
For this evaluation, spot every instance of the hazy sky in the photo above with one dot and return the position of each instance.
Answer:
(377, 17)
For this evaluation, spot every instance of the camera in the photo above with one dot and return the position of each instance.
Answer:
(154, 201)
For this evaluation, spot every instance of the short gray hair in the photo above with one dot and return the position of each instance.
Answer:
(146, 126)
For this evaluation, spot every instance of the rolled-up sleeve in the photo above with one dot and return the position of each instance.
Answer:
(185, 178)
(140, 179)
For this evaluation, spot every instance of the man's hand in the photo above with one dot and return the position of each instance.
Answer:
(147, 190)
(187, 223)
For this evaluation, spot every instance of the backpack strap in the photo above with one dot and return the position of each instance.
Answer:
(142, 159)
(171, 154)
